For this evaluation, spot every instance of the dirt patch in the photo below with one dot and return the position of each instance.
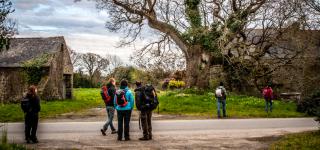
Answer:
(159, 142)
(99, 114)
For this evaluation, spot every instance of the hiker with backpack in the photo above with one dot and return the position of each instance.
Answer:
(267, 93)
(107, 93)
(146, 101)
(124, 103)
(30, 105)
(221, 96)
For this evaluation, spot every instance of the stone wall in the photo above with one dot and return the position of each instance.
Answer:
(12, 84)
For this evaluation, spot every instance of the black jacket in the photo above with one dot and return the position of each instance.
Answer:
(112, 92)
(34, 103)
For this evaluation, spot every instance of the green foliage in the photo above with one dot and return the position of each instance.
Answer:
(208, 39)
(236, 22)
(201, 103)
(301, 141)
(34, 68)
(311, 105)
(123, 73)
(84, 99)
(7, 26)
(173, 84)
(82, 81)
(193, 13)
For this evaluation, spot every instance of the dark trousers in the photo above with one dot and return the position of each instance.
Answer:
(123, 119)
(268, 104)
(31, 125)
(146, 123)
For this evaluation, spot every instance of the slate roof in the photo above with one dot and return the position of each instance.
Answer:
(24, 49)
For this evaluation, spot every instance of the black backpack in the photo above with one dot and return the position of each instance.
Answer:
(121, 98)
(150, 99)
(25, 104)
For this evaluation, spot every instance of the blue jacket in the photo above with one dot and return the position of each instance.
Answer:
(129, 98)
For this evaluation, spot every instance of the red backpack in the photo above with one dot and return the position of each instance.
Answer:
(121, 99)
(267, 92)
(105, 94)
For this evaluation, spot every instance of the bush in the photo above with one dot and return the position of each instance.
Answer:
(176, 84)
(311, 106)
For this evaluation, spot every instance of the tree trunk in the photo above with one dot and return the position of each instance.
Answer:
(198, 68)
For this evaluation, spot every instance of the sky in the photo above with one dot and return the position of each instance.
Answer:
(82, 25)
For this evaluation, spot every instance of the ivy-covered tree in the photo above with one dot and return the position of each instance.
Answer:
(7, 26)
(234, 33)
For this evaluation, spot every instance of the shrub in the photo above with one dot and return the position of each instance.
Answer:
(311, 106)
(176, 84)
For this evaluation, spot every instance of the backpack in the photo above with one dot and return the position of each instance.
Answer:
(267, 92)
(219, 92)
(105, 94)
(121, 99)
(151, 101)
(25, 104)
(139, 98)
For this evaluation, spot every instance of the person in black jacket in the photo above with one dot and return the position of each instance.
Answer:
(32, 115)
(145, 111)
(108, 93)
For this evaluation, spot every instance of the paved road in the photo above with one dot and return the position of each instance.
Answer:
(180, 134)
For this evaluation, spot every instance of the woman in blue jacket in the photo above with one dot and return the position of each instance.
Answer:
(124, 103)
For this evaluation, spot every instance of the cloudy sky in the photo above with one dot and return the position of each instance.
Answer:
(80, 23)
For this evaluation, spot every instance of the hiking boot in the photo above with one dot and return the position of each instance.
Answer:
(119, 139)
(114, 132)
(35, 140)
(144, 138)
(103, 132)
(127, 139)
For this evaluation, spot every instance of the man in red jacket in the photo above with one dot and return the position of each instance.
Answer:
(267, 93)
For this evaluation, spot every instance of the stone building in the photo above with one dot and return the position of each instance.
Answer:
(56, 71)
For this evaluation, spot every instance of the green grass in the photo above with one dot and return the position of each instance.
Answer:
(238, 106)
(171, 102)
(298, 141)
(84, 99)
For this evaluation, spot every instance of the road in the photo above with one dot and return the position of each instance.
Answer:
(173, 134)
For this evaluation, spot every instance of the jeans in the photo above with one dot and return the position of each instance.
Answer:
(31, 125)
(146, 123)
(268, 104)
(110, 113)
(123, 120)
(223, 102)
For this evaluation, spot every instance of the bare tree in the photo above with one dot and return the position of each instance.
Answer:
(235, 33)
(114, 62)
(314, 4)
(7, 26)
(75, 57)
(93, 63)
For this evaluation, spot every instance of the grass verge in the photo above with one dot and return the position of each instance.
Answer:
(181, 102)
(238, 106)
(84, 99)
(298, 141)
